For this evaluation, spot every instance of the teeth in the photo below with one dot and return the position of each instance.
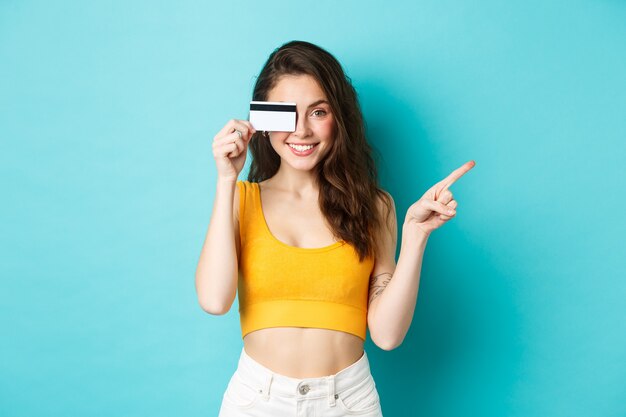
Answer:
(301, 148)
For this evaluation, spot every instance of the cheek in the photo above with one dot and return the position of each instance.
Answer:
(277, 138)
(327, 128)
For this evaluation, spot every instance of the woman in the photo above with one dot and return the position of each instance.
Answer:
(309, 240)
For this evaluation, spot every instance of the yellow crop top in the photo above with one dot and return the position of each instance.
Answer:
(283, 285)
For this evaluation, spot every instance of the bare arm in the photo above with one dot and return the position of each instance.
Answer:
(393, 302)
(217, 271)
(394, 288)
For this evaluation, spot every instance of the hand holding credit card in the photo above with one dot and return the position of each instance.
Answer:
(273, 116)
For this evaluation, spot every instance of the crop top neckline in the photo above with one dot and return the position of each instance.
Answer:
(275, 239)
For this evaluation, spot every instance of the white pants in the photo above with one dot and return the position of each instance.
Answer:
(256, 391)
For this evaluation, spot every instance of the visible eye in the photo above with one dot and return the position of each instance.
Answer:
(319, 112)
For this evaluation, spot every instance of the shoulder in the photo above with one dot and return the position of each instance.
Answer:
(385, 207)
(387, 227)
(242, 188)
(383, 198)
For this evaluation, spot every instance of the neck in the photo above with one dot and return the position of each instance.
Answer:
(296, 181)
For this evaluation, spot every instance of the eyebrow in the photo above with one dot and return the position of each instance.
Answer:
(317, 103)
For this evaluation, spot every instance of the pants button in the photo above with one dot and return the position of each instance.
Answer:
(304, 389)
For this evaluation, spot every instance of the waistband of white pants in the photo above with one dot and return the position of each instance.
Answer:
(268, 381)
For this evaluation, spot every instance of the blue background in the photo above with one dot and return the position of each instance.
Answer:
(107, 113)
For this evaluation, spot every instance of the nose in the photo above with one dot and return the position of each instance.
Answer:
(302, 128)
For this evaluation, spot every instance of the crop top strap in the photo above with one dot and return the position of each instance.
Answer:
(250, 218)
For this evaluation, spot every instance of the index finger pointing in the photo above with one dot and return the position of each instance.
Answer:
(456, 174)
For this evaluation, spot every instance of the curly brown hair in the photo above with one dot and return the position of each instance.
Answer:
(347, 177)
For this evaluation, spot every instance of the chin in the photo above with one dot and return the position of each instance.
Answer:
(303, 166)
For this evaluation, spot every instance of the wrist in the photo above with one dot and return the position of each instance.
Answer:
(413, 231)
(222, 181)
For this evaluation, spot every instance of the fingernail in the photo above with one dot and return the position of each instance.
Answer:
(450, 211)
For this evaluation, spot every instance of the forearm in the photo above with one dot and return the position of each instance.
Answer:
(217, 271)
(393, 311)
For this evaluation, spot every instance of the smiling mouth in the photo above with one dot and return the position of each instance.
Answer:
(302, 150)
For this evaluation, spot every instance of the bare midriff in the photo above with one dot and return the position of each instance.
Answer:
(300, 352)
